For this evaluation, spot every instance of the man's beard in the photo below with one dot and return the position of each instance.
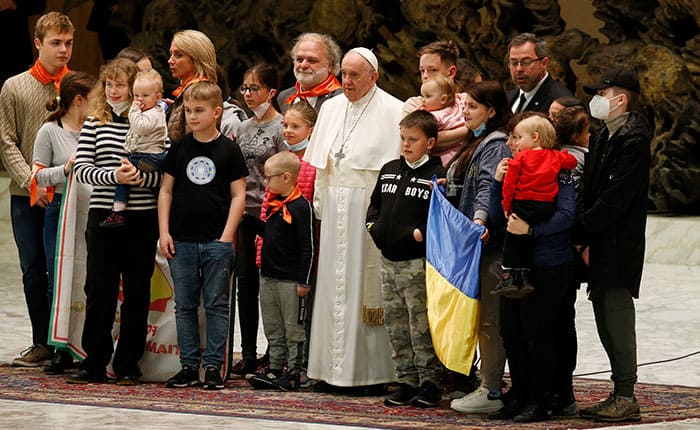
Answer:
(310, 79)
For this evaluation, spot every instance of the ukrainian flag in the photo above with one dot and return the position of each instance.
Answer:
(453, 251)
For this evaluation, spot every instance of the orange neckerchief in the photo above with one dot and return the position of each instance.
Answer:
(34, 192)
(277, 204)
(326, 87)
(41, 75)
(186, 83)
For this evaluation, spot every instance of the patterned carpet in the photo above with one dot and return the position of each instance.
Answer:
(658, 403)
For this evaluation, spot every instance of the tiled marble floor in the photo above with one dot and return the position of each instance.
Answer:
(667, 321)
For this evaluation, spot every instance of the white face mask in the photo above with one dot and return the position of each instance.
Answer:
(600, 106)
(119, 107)
(260, 109)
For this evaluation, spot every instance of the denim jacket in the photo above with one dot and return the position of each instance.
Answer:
(474, 202)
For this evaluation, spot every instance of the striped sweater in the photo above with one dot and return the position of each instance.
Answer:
(100, 149)
(22, 113)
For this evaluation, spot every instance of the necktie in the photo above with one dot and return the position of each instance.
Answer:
(521, 104)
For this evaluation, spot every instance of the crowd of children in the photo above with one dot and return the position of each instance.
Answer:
(196, 192)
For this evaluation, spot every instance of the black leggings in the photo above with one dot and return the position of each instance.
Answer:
(248, 278)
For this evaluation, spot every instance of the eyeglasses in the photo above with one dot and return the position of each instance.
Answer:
(252, 88)
(524, 63)
(267, 178)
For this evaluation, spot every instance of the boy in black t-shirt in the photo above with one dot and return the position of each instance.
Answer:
(286, 267)
(397, 218)
(200, 204)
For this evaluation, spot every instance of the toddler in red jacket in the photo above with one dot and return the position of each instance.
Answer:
(529, 190)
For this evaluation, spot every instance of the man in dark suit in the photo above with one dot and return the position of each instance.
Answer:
(528, 58)
(316, 63)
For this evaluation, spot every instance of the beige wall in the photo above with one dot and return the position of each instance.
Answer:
(86, 50)
(579, 14)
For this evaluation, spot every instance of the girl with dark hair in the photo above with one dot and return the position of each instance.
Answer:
(54, 156)
(259, 137)
(573, 133)
(469, 180)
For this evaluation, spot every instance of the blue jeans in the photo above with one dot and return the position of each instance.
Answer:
(28, 230)
(144, 161)
(202, 268)
(53, 213)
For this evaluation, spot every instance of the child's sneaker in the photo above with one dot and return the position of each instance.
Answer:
(505, 285)
(304, 380)
(429, 395)
(262, 381)
(212, 378)
(114, 220)
(188, 376)
(522, 284)
(287, 382)
(243, 368)
(403, 395)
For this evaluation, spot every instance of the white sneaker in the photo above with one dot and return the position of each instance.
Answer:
(477, 402)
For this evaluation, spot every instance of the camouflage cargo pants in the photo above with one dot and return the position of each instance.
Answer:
(406, 321)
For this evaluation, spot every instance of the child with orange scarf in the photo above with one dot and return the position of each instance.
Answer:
(286, 270)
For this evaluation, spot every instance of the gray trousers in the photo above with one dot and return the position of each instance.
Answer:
(279, 304)
(614, 313)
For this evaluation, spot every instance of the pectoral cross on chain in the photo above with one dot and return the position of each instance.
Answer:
(339, 156)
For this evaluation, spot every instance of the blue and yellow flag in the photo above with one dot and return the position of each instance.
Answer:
(453, 251)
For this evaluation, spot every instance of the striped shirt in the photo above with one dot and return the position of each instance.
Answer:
(100, 149)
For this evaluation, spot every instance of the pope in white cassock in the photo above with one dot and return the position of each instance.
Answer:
(355, 134)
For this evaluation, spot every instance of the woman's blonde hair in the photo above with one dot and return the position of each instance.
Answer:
(200, 49)
(99, 109)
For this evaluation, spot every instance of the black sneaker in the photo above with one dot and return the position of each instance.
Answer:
(287, 382)
(403, 396)
(61, 361)
(114, 220)
(429, 395)
(85, 377)
(243, 368)
(188, 376)
(128, 380)
(564, 406)
(265, 381)
(531, 414)
(512, 406)
(212, 378)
